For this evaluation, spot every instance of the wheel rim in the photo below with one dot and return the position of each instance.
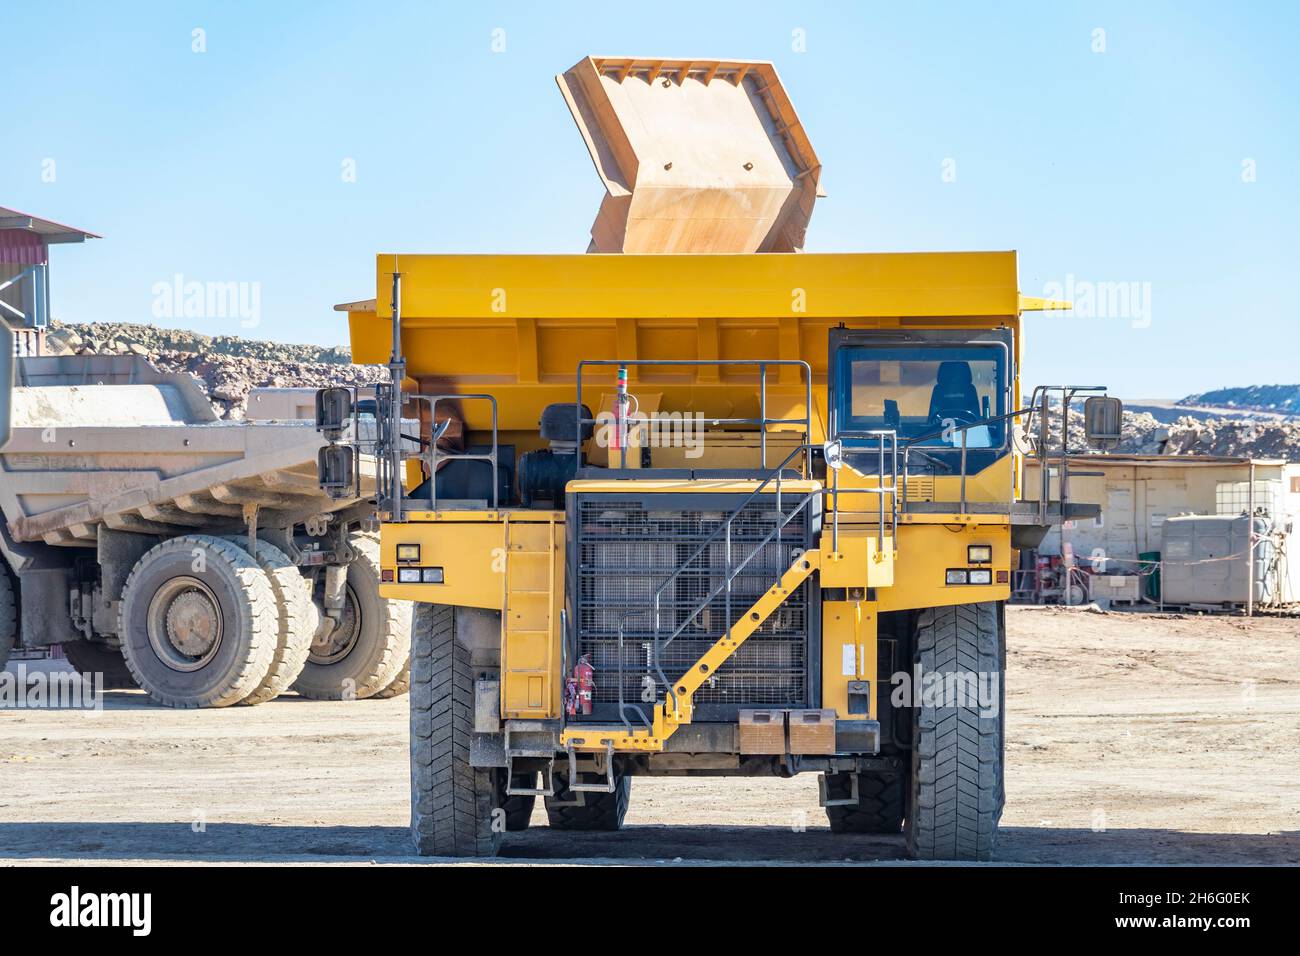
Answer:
(185, 624)
(341, 641)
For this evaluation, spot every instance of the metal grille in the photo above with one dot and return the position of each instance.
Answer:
(627, 549)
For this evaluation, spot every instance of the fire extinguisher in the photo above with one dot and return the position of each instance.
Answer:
(580, 687)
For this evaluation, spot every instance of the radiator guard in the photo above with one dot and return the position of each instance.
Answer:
(623, 546)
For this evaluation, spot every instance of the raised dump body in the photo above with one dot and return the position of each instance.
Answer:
(130, 512)
(696, 155)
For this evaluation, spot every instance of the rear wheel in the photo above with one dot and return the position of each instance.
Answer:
(880, 802)
(10, 623)
(519, 807)
(94, 657)
(588, 809)
(957, 755)
(199, 622)
(400, 686)
(454, 806)
(296, 616)
(364, 653)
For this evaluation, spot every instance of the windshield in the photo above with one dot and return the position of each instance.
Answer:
(917, 389)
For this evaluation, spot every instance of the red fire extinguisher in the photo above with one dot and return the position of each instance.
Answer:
(580, 687)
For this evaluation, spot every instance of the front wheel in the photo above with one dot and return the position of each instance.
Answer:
(957, 755)
(199, 623)
(456, 808)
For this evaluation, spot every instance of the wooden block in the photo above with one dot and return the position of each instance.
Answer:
(812, 731)
(762, 732)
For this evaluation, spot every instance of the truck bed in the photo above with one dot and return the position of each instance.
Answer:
(110, 440)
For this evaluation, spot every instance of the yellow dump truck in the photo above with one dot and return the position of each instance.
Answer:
(698, 503)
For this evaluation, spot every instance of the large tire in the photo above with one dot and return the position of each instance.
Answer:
(519, 807)
(957, 755)
(400, 685)
(588, 809)
(296, 615)
(367, 652)
(95, 657)
(10, 618)
(880, 803)
(198, 623)
(453, 805)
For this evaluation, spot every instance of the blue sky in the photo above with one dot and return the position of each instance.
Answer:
(1124, 165)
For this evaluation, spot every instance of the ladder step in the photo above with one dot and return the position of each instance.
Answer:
(604, 786)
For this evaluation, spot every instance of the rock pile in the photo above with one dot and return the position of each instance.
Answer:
(121, 338)
(1143, 434)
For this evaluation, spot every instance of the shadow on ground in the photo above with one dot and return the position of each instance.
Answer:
(240, 842)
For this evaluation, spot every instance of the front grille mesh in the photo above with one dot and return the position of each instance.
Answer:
(626, 549)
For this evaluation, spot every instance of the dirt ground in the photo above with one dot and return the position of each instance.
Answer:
(1132, 738)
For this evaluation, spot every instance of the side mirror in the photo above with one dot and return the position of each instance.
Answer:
(336, 469)
(1103, 417)
(833, 452)
(333, 411)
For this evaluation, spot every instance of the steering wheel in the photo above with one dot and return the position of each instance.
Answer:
(958, 417)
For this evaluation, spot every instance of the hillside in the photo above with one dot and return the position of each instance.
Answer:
(1283, 399)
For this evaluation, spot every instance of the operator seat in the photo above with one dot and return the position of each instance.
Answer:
(954, 394)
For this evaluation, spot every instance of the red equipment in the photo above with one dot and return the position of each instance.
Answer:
(579, 688)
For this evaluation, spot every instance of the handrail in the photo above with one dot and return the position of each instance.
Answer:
(881, 489)
(654, 610)
(907, 444)
(658, 643)
(732, 574)
(682, 566)
(434, 456)
(762, 421)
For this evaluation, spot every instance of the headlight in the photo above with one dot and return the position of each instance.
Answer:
(955, 576)
(981, 576)
(408, 575)
(979, 554)
(408, 553)
(432, 575)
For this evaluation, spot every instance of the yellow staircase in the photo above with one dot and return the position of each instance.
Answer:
(530, 641)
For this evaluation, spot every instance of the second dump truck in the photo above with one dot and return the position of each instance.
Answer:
(728, 509)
